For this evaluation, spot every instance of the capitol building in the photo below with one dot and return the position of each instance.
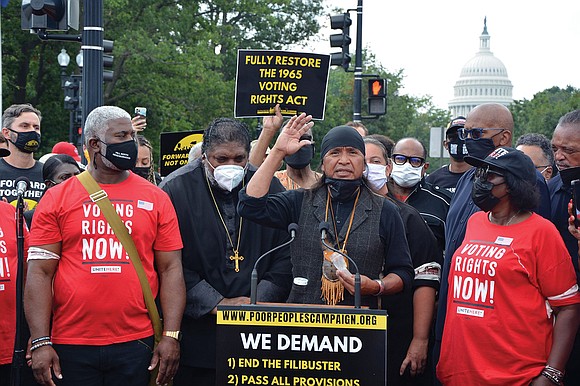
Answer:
(483, 79)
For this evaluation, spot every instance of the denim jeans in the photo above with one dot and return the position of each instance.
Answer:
(120, 364)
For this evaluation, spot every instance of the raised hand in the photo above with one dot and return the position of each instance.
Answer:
(288, 141)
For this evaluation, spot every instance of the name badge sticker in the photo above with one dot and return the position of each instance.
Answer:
(501, 240)
(145, 205)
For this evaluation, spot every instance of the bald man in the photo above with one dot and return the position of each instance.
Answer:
(407, 184)
(487, 127)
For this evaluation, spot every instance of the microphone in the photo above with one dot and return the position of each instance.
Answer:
(22, 185)
(292, 229)
(323, 227)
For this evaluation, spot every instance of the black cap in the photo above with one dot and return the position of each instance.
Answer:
(4, 152)
(509, 160)
(342, 136)
(456, 123)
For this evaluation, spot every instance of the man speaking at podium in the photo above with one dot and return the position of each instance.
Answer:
(369, 227)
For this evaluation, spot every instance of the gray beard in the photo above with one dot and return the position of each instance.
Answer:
(210, 177)
(109, 164)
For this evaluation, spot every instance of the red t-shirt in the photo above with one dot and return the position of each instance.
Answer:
(497, 330)
(97, 296)
(8, 271)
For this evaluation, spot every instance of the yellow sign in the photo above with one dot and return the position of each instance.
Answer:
(302, 319)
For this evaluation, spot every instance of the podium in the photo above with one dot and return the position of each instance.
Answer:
(300, 345)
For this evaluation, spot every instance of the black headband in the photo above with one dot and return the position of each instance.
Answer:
(342, 136)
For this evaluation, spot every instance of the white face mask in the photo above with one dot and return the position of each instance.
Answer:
(376, 175)
(228, 177)
(405, 175)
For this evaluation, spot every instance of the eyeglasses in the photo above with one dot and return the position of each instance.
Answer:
(476, 133)
(415, 162)
(483, 172)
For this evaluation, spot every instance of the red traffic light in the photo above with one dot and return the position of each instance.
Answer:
(377, 88)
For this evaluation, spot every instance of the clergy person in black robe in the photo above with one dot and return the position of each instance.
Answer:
(215, 238)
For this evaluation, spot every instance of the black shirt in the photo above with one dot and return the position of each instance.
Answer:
(560, 197)
(432, 203)
(444, 178)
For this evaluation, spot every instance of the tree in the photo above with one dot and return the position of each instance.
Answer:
(542, 112)
(178, 59)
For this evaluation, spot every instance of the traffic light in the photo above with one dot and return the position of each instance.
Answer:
(343, 23)
(71, 92)
(377, 99)
(108, 60)
(50, 15)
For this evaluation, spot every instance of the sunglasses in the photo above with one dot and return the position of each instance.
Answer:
(415, 162)
(476, 133)
(483, 172)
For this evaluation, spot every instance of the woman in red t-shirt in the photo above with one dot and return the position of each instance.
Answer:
(506, 280)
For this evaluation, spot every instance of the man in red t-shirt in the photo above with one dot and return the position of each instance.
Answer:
(8, 271)
(100, 331)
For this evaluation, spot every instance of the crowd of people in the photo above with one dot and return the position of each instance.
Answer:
(476, 263)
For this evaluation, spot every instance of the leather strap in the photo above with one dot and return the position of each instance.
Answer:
(99, 197)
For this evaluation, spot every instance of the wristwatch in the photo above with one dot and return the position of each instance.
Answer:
(173, 334)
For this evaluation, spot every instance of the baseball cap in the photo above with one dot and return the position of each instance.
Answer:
(67, 148)
(509, 160)
(455, 123)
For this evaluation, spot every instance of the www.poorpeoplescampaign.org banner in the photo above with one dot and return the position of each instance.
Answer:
(296, 81)
(300, 346)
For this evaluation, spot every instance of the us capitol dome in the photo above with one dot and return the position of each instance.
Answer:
(483, 79)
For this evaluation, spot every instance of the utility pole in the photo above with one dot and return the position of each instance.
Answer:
(358, 75)
(92, 48)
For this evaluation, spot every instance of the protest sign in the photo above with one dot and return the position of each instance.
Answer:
(296, 81)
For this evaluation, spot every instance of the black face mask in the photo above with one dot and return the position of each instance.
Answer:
(301, 158)
(569, 175)
(27, 141)
(457, 149)
(481, 194)
(342, 190)
(479, 148)
(123, 155)
(142, 171)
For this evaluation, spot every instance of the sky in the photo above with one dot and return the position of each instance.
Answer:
(432, 40)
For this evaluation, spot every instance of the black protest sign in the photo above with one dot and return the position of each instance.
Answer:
(175, 149)
(295, 80)
(300, 345)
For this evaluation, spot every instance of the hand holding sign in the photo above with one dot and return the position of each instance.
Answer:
(288, 141)
(273, 122)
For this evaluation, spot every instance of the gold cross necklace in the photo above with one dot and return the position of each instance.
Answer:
(236, 257)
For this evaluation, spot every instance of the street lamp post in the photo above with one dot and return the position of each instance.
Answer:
(63, 61)
(71, 87)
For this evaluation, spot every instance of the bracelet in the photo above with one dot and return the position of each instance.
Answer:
(35, 341)
(553, 374)
(41, 344)
(381, 287)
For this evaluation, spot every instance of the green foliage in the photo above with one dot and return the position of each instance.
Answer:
(542, 112)
(176, 59)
